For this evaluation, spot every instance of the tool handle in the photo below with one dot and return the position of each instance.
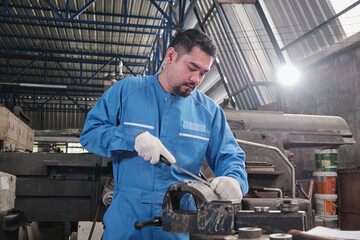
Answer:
(157, 221)
(164, 160)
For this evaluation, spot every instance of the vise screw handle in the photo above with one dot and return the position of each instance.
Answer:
(157, 221)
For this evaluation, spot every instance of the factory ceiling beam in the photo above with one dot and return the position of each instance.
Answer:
(58, 51)
(77, 41)
(190, 8)
(77, 28)
(82, 9)
(115, 24)
(125, 11)
(93, 88)
(85, 13)
(68, 60)
(99, 70)
(270, 32)
(26, 67)
(53, 8)
(62, 68)
(168, 17)
(57, 69)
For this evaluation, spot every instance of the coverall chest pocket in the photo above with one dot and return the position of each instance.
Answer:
(191, 149)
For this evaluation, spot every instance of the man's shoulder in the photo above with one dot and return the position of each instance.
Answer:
(137, 81)
(204, 101)
(130, 84)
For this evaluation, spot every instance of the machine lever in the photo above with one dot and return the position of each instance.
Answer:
(157, 221)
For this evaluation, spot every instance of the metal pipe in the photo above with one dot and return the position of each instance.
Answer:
(269, 189)
(275, 190)
(292, 169)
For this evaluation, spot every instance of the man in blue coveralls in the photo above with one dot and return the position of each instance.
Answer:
(140, 118)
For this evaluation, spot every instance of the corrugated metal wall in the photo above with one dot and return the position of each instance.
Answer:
(69, 118)
(245, 54)
(291, 19)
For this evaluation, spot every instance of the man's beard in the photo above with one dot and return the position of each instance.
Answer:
(178, 91)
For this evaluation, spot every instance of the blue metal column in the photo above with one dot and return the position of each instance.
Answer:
(5, 6)
(125, 11)
(45, 67)
(7, 65)
(81, 67)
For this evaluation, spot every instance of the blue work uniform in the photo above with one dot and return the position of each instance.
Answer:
(191, 128)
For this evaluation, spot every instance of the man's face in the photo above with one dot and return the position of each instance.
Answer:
(187, 71)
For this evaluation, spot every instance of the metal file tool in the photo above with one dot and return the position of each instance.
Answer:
(165, 161)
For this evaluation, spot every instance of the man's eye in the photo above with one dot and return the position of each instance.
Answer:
(191, 69)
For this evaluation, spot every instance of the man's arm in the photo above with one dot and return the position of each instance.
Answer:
(102, 133)
(224, 156)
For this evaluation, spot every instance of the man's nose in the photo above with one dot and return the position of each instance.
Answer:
(195, 78)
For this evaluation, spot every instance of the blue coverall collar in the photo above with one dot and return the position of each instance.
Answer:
(161, 89)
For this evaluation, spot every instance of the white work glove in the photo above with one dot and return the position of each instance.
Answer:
(150, 148)
(226, 188)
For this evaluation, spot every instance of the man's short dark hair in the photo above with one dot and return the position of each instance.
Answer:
(185, 40)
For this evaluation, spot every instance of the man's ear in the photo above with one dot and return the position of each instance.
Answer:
(171, 55)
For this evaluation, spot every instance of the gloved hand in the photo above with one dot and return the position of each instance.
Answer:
(150, 147)
(226, 188)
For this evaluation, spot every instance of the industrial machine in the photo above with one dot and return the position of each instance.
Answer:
(271, 141)
(56, 187)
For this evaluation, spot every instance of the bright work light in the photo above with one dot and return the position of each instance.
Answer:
(288, 75)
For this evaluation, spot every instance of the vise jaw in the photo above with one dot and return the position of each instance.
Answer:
(211, 216)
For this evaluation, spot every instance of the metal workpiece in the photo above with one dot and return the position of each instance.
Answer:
(280, 236)
(261, 209)
(212, 216)
(250, 232)
(289, 205)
